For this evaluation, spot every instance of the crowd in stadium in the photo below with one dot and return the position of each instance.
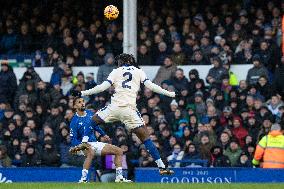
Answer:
(217, 119)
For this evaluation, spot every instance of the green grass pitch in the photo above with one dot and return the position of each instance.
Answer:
(136, 186)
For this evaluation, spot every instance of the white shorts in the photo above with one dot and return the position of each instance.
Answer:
(96, 146)
(128, 115)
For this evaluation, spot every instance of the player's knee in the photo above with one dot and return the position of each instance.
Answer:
(142, 134)
(90, 153)
(119, 152)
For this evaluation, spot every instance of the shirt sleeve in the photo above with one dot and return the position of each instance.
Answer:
(111, 77)
(143, 76)
(260, 148)
(99, 130)
(73, 133)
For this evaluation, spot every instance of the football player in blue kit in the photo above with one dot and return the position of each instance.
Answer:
(84, 140)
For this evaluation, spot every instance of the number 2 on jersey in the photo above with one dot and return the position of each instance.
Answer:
(128, 77)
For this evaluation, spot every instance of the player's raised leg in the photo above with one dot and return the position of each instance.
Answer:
(143, 135)
(118, 153)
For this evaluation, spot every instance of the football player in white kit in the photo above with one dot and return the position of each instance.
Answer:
(126, 80)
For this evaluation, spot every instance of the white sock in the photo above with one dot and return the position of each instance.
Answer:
(160, 163)
(118, 172)
(84, 173)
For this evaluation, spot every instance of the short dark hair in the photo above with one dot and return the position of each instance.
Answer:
(75, 100)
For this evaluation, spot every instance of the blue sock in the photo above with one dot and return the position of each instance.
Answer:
(152, 149)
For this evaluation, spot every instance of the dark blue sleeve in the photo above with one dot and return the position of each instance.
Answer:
(73, 133)
(99, 130)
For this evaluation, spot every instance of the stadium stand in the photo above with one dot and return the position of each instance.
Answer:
(218, 120)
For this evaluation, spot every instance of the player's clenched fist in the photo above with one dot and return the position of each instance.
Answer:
(172, 94)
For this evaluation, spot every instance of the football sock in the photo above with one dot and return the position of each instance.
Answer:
(84, 173)
(154, 152)
(118, 172)
(160, 163)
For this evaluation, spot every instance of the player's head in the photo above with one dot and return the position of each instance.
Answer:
(125, 59)
(79, 104)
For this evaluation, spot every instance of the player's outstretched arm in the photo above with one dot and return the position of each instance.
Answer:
(97, 89)
(157, 89)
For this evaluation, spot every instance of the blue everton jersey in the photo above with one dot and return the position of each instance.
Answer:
(84, 127)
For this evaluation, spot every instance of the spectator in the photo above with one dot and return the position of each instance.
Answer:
(144, 57)
(25, 39)
(38, 60)
(198, 58)
(190, 153)
(29, 75)
(55, 118)
(5, 161)
(162, 53)
(31, 158)
(238, 131)
(216, 73)
(177, 154)
(264, 88)
(224, 140)
(244, 161)
(145, 160)
(46, 94)
(66, 85)
(179, 81)
(218, 159)
(193, 76)
(8, 82)
(279, 78)
(270, 149)
(205, 147)
(106, 68)
(178, 55)
(233, 152)
(9, 41)
(50, 156)
(257, 71)
(165, 72)
(275, 104)
(28, 95)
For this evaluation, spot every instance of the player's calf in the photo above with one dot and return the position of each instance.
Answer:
(143, 135)
(118, 153)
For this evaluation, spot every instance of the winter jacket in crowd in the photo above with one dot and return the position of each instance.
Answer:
(165, 73)
(179, 84)
(48, 95)
(144, 59)
(49, 156)
(255, 72)
(105, 70)
(31, 160)
(218, 159)
(29, 75)
(190, 156)
(217, 73)
(233, 155)
(8, 84)
(279, 79)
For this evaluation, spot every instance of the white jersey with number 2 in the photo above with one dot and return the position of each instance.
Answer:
(126, 81)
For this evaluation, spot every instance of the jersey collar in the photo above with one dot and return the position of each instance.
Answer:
(82, 115)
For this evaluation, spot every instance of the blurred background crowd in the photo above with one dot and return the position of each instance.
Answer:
(218, 119)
